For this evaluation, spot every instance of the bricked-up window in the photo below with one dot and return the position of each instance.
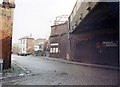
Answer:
(98, 45)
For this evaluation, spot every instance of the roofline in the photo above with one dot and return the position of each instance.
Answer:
(26, 38)
(41, 39)
(59, 24)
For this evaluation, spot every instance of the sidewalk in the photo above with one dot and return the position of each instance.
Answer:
(83, 64)
(15, 72)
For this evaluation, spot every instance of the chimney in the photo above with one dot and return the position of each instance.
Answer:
(30, 35)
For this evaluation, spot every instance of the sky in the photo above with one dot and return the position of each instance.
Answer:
(37, 16)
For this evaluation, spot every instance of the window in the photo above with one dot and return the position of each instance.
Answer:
(56, 50)
(23, 41)
(40, 47)
(51, 50)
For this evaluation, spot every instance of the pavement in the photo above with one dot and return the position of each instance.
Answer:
(78, 63)
(17, 73)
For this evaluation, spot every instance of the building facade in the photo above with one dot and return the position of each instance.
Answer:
(58, 40)
(39, 46)
(26, 45)
(6, 26)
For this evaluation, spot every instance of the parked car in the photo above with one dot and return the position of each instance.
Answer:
(24, 54)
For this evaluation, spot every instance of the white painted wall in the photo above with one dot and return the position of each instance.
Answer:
(23, 45)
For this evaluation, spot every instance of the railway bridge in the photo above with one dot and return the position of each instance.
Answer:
(94, 33)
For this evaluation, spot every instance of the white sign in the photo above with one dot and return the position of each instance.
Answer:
(54, 44)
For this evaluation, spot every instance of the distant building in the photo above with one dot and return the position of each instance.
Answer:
(39, 46)
(58, 40)
(6, 26)
(26, 45)
(15, 48)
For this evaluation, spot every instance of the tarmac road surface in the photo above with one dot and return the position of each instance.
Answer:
(48, 72)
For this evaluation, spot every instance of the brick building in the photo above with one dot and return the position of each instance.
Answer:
(39, 46)
(58, 40)
(94, 33)
(6, 25)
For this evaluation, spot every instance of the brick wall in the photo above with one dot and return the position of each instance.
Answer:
(59, 35)
(59, 29)
(6, 25)
(95, 47)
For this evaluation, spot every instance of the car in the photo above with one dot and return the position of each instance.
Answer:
(24, 54)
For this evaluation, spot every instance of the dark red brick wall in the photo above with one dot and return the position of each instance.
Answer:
(59, 35)
(6, 52)
(88, 48)
(62, 40)
(59, 29)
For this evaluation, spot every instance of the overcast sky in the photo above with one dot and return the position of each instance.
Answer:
(36, 16)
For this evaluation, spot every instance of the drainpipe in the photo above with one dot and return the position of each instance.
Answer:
(69, 57)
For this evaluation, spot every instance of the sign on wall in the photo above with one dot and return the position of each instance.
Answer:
(110, 43)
